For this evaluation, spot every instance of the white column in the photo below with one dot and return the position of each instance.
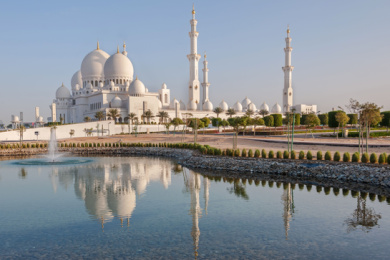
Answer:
(205, 83)
(287, 90)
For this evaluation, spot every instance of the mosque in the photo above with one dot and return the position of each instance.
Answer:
(107, 81)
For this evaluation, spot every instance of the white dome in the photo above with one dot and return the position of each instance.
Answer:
(173, 104)
(192, 105)
(111, 84)
(77, 87)
(137, 87)
(89, 86)
(118, 66)
(224, 106)
(276, 109)
(116, 102)
(245, 103)
(182, 105)
(237, 107)
(164, 86)
(208, 106)
(76, 79)
(252, 107)
(264, 106)
(40, 119)
(63, 92)
(101, 84)
(92, 67)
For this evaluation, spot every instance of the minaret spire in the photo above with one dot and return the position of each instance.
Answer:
(287, 90)
(193, 58)
(124, 52)
(97, 46)
(117, 49)
(205, 83)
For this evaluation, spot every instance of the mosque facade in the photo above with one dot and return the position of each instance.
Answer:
(106, 82)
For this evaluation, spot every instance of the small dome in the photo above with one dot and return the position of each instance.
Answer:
(182, 105)
(252, 107)
(118, 66)
(89, 86)
(276, 109)
(127, 84)
(245, 103)
(164, 86)
(76, 79)
(111, 84)
(116, 102)
(63, 92)
(40, 119)
(224, 106)
(264, 106)
(92, 66)
(101, 84)
(137, 88)
(208, 106)
(173, 104)
(192, 105)
(77, 87)
(237, 107)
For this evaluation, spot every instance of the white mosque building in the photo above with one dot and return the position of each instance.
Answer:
(107, 81)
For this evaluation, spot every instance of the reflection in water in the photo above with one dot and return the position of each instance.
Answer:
(23, 173)
(363, 218)
(239, 189)
(288, 206)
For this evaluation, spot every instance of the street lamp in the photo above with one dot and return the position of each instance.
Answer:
(108, 128)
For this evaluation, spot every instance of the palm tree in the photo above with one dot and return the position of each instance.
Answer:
(218, 111)
(231, 112)
(148, 114)
(249, 112)
(113, 113)
(87, 119)
(99, 115)
(263, 112)
(132, 116)
(163, 115)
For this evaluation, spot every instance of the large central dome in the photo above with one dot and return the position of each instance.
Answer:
(118, 66)
(92, 67)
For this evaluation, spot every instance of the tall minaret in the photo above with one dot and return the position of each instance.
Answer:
(194, 84)
(195, 210)
(287, 91)
(205, 83)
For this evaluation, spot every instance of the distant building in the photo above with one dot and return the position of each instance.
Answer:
(305, 109)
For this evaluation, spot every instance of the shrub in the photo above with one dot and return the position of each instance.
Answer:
(257, 153)
(237, 153)
(243, 153)
(210, 151)
(250, 153)
(286, 154)
(218, 152)
(263, 154)
(309, 156)
(86, 144)
(279, 155)
(328, 156)
(293, 155)
(336, 157)
(301, 155)
(388, 159)
(62, 145)
(373, 158)
(90, 144)
(319, 155)
(355, 157)
(382, 158)
(28, 145)
(82, 144)
(365, 158)
(346, 157)
(271, 154)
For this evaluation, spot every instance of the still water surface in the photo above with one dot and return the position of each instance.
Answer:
(142, 208)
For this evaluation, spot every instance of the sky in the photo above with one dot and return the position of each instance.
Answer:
(340, 48)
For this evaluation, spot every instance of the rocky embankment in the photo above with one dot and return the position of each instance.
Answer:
(372, 178)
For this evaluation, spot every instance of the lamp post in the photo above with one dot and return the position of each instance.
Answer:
(108, 128)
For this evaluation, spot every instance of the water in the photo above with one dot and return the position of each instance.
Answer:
(53, 154)
(145, 208)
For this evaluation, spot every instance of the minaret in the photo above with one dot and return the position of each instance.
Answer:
(124, 52)
(288, 207)
(287, 91)
(195, 210)
(206, 184)
(205, 83)
(194, 84)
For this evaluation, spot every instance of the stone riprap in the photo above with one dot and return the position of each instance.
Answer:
(373, 178)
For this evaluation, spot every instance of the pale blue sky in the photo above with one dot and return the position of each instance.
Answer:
(340, 48)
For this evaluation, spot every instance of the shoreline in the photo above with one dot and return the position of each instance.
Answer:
(363, 177)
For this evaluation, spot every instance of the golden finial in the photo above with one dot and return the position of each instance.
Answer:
(205, 56)
(97, 46)
(193, 8)
(117, 49)
(136, 77)
(288, 28)
(124, 45)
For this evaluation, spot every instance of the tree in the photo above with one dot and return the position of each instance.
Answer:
(163, 115)
(148, 115)
(257, 121)
(87, 119)
(218, 111)
(113, 113)
(363, 217)
(216, 121)
(61, 119)
(231, 112)
(236, 123)
(176, 122)
(269, 121)
(224, 124)
(370, 116)
(385, 119)
(99, 115)
(206, 122)
(278, 120)
(353, 119)
(332, 118)
(323, 119)
(132, 117)
(263, 112)
(249, 112)
(311, 121)
(71, 132)
(342, 118)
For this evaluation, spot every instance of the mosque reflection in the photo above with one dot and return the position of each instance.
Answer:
(110, 188)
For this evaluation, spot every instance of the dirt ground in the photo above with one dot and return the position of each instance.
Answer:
(247, 142)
